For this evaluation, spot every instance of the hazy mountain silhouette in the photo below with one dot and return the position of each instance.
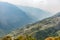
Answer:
(12, 17)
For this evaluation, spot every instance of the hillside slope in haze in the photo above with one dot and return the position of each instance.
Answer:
(41, 29)
(37, 13)
(11, 17)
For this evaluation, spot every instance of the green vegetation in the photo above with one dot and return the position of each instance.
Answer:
(47, 28)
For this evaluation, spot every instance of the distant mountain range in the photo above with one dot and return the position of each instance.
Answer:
(41, 29)
(36, 13)
(12, 17)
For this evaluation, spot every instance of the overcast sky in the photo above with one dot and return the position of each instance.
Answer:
(52, 6)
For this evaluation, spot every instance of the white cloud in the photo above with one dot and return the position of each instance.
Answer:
(48, 5)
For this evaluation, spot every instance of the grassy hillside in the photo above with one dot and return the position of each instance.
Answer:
(49, 27)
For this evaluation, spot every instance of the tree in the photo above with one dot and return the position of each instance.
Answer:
(7, 38)
(50, 38)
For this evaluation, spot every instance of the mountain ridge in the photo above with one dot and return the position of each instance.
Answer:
(37, 13)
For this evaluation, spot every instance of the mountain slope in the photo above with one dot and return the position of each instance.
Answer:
(41, 29)
(11, 17)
